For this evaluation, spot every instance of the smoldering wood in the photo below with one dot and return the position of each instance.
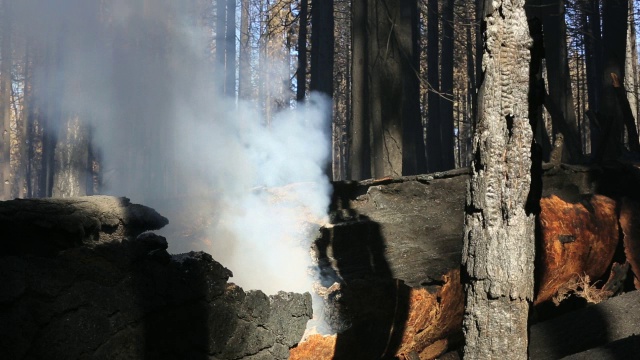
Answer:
(430, 323)
(576, 240)
(410, 228)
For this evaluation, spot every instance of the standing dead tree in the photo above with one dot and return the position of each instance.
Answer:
(498, 253)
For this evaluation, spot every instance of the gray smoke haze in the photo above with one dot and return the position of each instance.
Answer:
(139, 72)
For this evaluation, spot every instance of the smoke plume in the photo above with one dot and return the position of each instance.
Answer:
(140, 74)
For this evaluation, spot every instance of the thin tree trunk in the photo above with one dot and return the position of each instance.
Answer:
(230, 49)
(244, 71)
(434, 123)
(360, 151)
(301, 75)
(322, 42)
(5, 103)
(27, 118)
(590, 25)
(538, 91)
(221, 43)
(322, 47)
(446, 86)
(631, 68)
(50, 117)
(71, 159)
(498, 253)
(414, 159)
(558, 77)
(614, 39)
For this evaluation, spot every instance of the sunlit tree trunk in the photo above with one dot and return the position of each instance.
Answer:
(244, 71)
(71, 159)
(471, 84)
(5, 102)
(230, 49)
(221, 40)
(498, 252)
(631, 65)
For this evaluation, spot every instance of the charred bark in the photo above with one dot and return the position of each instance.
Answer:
(498, 252)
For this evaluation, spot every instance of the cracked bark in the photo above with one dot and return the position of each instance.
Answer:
(498, 248)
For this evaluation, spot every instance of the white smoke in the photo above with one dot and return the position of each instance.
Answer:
(270, 189)
(142, 71)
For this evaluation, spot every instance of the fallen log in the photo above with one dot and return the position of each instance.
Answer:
(580, 330)
(85, 286)
(46, 226)
(411, 229)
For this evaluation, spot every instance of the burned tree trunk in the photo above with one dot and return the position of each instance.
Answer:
(498, 253)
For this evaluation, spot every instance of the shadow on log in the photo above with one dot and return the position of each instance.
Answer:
(420, 219)
(108, 293)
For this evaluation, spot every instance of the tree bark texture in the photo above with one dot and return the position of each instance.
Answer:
(498, 253)
(631, 63)
(71, 173)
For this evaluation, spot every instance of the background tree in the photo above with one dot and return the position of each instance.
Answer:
(5, 102)
(435, 146)
(360, 147)
(559, 102)
(611, 116)
(386, 98)
(301, 73)
(446, 98)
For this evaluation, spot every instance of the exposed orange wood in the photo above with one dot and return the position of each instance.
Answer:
(577, 240)
(432, 318)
